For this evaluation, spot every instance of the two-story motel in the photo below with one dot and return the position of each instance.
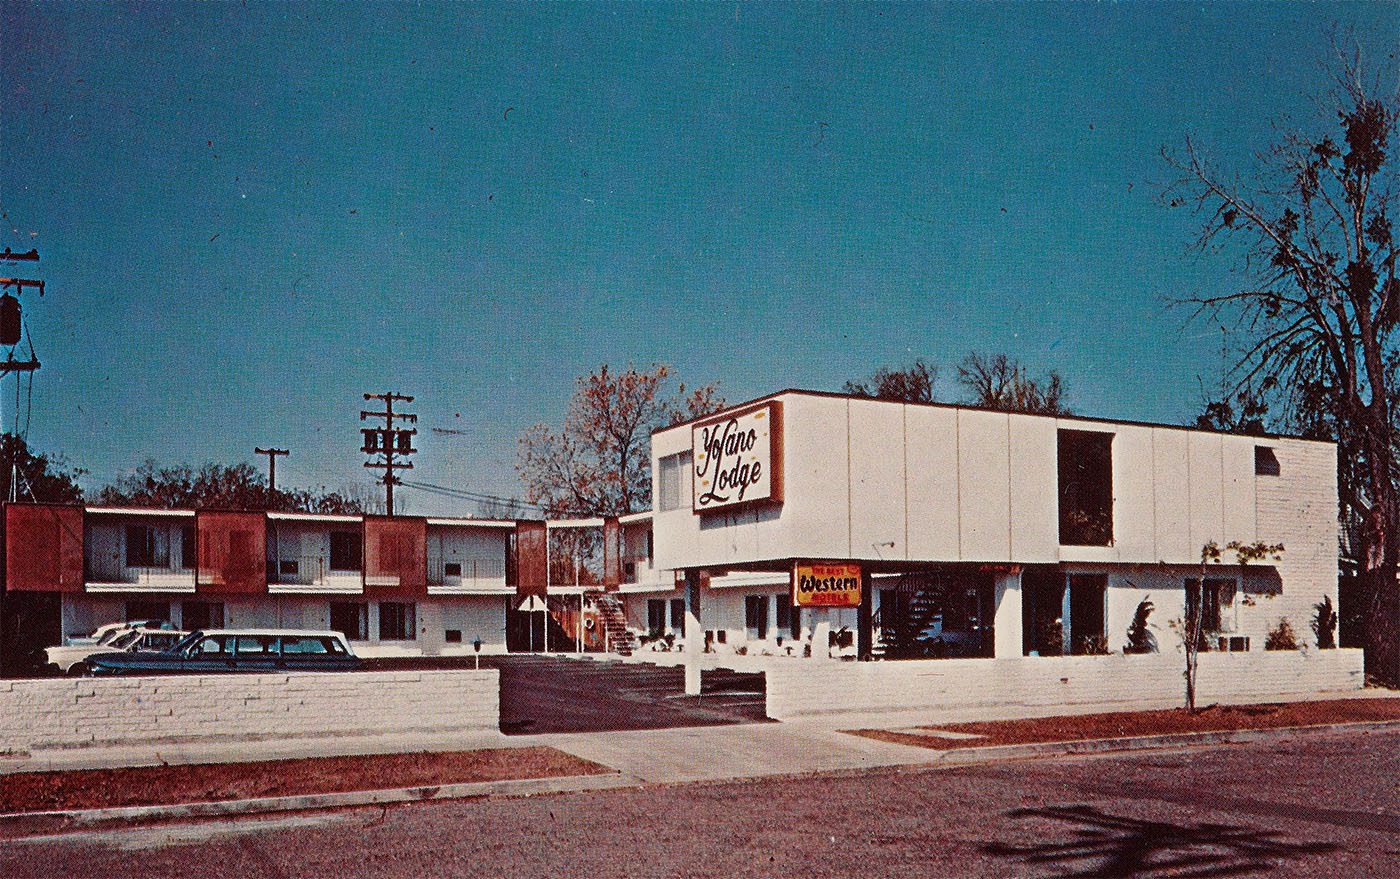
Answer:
(1014, 535)
(985, 533)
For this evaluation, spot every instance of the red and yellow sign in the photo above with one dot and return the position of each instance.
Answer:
(823, 584)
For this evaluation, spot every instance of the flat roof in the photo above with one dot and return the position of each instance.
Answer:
(971, 408)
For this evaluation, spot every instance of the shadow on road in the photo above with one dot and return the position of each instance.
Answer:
(1107, 845)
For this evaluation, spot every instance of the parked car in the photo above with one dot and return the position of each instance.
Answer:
(71, 660)
(236, 650)
(105, 633)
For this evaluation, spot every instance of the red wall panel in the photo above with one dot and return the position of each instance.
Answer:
(612, 553)
(232, 552)
(396, 556)
(531, 558)
(43, 548)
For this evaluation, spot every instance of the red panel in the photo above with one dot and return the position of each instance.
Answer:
(232, 552)
(43, 548)
(531, 558)
(396, 556)
(612, 553)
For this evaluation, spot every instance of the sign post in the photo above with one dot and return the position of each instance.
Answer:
(825, 585)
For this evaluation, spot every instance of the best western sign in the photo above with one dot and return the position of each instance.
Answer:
(738, 458)
(826, 585)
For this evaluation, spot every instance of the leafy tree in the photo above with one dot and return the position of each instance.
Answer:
(599, 461)
(1244, 411)
(1314, 236)
(217, 486)
(997, 381)
(41, 478)
(912, 384)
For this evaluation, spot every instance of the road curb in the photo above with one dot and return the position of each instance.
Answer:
(1128, 744)
(26, 823)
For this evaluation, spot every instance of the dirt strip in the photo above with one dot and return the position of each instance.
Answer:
(212, 782)
(1216, 718)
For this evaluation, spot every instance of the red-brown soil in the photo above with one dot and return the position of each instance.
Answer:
(206, 782)
(1148, 723)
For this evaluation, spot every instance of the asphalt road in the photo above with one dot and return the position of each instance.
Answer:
(1318, 806)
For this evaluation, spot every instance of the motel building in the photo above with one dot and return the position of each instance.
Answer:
(797, 528)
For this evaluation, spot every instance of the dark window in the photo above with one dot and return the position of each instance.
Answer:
(288, 566)
(656, 617)
(1215, 603)
(148, 610)
(1265, 461)
(345, 550)
(396, 621)
(1086, 488)
(349, 619)
(782, 613)
(453, 636)
(1087, 601)
(201, 615)
(756, 616)
(678, 616)
(452, 569)
(146, 547)
(651, 549)
(189, 552)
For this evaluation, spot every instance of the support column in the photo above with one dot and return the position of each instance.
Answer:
(694, 634)
(1007, 622)
(865, 632)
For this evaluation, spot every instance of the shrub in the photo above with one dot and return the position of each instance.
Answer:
(1092, 645)
(1281, 637)
(1140, 637)
(1324, 624)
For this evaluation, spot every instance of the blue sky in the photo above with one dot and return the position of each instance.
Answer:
(251, 215)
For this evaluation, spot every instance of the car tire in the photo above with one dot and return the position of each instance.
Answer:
(79, 670)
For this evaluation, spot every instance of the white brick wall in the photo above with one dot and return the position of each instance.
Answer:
(811, 688)
(88, 711)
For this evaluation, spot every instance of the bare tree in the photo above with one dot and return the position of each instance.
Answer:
(1001, 382)
(1315, 238)
(912, 384)
(599, 462)
(1192, 634)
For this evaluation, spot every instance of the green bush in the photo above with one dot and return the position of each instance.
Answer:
(1324, 624)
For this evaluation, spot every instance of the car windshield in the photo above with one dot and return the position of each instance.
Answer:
(191, 638)
(125, 640)
(109, 637)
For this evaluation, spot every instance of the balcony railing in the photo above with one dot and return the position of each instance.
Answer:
(113, 569)
(466, 572)
(306, 570)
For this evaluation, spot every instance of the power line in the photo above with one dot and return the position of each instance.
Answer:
(272, 455)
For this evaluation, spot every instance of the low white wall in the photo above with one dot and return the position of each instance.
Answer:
(182, 708)
(822, 688)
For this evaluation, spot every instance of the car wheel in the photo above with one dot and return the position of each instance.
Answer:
(79, 670)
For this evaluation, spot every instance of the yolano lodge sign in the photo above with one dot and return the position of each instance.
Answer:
(830, 584)
(738, 458)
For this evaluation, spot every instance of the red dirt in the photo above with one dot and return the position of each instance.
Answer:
(206, 782)
(1147, 723)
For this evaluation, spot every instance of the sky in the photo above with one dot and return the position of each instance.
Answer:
(249, 215)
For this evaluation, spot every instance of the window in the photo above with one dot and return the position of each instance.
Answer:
(756, 616)
(304, 645)
(678, 616)
(189, 551)
(452, 569)
(1216, 603)
(288, 566)
(656, 617)
(345, 550)
(148, 610)
(196, 615)
(651, 549)
(212, 646)
(1086, 487)
(396, 622)
(675, 487)
(782, 612)
(248, 645)
(452, 636)
(349, 619)
(147, 547)
(1265, 461)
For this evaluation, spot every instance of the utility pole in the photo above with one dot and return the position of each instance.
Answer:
(389, 441)
(272, 455)
(11, 332)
